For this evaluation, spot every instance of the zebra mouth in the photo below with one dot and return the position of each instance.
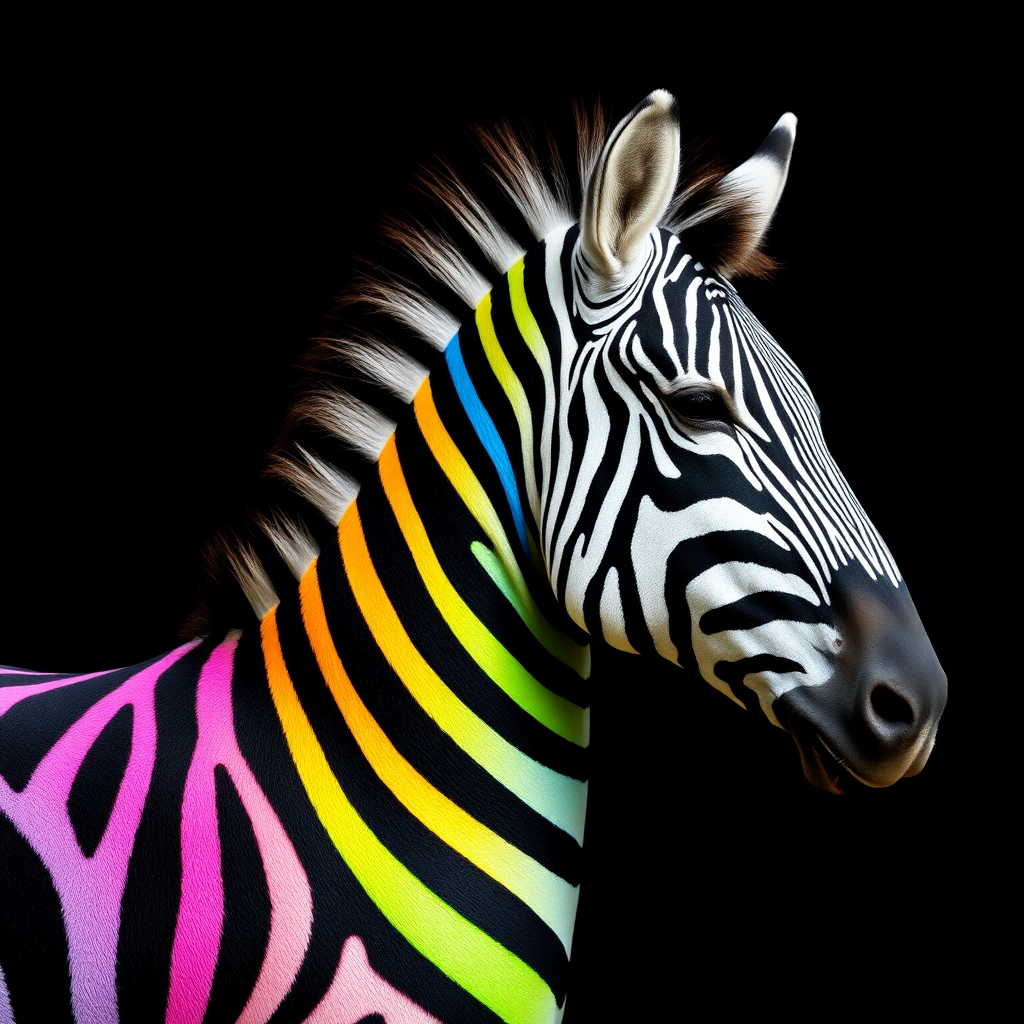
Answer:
(842, 763)
(831, 769)
(822, 766)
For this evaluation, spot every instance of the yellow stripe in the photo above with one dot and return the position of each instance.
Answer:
(471, 491)
(551, 898)
(465, 953)
(557, 797)
(525, 320)
(561, 716)
(513, 389)
(530, 330)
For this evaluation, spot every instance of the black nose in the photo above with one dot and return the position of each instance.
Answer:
(890, 708)
(876, 717)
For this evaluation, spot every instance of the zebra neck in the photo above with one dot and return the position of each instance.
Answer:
(429, 703)
(423, 617)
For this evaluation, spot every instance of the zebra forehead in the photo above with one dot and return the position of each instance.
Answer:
(675, 321)
(683, 326)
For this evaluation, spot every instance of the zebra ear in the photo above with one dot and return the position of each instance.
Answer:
(631, 186)
(749, 195)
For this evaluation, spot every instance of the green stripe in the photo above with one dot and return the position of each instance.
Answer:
(457, 947)
(554, 640)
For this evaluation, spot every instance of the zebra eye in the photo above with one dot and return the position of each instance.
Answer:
(700, 407)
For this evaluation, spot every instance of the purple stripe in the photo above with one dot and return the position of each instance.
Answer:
(91, 888)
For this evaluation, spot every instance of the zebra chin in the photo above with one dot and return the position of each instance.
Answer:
(875, 720)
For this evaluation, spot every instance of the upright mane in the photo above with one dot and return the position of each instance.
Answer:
(390, 326)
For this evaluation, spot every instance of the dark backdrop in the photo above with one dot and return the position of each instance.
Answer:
(181, 228)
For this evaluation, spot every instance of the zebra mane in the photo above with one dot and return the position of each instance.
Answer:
(392, 324)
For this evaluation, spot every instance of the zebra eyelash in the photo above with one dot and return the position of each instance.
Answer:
(701, 407)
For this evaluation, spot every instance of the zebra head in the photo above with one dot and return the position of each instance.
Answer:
(687, 503)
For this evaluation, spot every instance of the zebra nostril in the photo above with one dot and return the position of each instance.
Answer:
(890, 706)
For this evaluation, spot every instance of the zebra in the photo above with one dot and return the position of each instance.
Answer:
(374, 803)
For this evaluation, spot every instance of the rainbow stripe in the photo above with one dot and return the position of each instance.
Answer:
(465, 953)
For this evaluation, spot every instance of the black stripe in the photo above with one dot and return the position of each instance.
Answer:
(464, 887)
(540, 302)
(340, 906)
(433, 638)
(757, 609)
(10, 676)
(457, 423)
(425, 746)
(32, 942)
(734, 672)
(452, 529)
(153, 887)
(498, 406)
(246, 905)
(30, 728)
(98, 781)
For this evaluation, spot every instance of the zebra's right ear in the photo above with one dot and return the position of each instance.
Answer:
(746, 198)
(631, 187)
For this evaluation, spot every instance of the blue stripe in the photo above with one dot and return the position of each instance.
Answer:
(488, 434)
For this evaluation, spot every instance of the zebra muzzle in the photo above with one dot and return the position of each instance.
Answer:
(876, 718)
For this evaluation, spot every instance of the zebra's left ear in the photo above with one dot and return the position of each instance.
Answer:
(749, 195)
(631, 187)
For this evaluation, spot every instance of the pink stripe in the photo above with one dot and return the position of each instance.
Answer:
(358, 990)
(201, 914)
(291, 904)
(11, 695)
(91, 888)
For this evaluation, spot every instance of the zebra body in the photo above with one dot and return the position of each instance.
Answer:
(374, 803)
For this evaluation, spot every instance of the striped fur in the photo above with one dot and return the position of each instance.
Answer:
(374, 802)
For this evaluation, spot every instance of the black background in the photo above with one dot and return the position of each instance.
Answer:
(183, 216)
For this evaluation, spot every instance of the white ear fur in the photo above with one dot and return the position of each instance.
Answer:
(631, 187)
(758, 182)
